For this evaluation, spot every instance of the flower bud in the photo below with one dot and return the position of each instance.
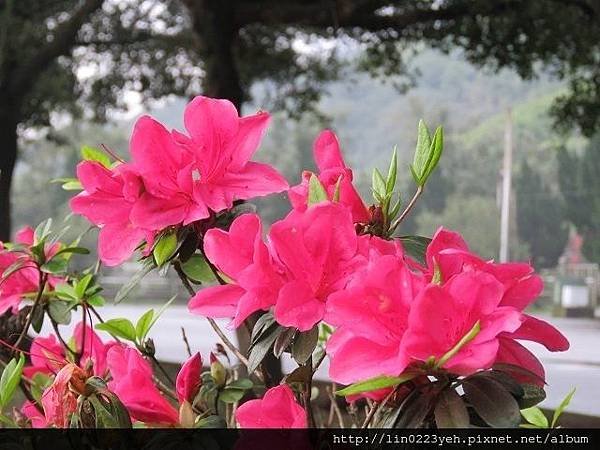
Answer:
(217, 370)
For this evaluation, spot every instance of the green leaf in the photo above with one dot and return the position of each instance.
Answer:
(77, 250)
(283, 341)
(316, 191)
(336, 192)
(65, 291)
(492, 402)
(60, 312)
(415, 246)
(55, 265)
(96, 301)
(121, 328)
(93, 154)
(421, 152)
(261, 347)
(161, 311)
(378, 185)
(211, 422)
(535, 416)
(143, 324)
(242, 383)
(263, 323)
(165, 248)
(376, 383)
(561, 408)
(42, 231)
(450, 410)
(231, 395)
(414, 409)
(197, 269)
(82, 285)
(532, 396)
(11, 375)
(72, 185)
(126, 289)
(390, 182)
(427, 153)
(474, 331)
(304, 344)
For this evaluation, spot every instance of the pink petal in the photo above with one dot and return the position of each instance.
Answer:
(94, 177)
(188, 379)
(537, 330)
(277, 409)
(211, 122)
(25, 236)
(297, 307)
(355, 358)
(154, 213)
(511, 352)
(117, 242)
(250, 133)
(216, 301)
(253, 180)
(327, 153)
(233, 251)
(154, 150)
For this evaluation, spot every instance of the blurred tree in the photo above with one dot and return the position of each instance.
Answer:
(541, 221)
(579, 178)
(83, 55)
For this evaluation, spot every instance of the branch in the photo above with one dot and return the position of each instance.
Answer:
(27, 73)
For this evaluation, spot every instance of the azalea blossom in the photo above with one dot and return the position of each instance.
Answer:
(188, 379)
(175, 178)
(35, 416)
(334, 175)
(309, 256)
(277, 409)
(132, 383)
(107, 201)
(243, 256)
(441, 316)
(59, 400)
(449, 254)
(26, 280)
(371, 317)
(188, 175)
(48, 355)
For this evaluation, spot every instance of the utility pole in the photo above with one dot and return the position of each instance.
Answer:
(506, 187)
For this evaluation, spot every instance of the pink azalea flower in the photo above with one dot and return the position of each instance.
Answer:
(442, 315)
(26, 280)
(107, 201)
(521, 286)
(371, 316)
(332, 168)
(48, 355)
(309, 256)
(132, 383)
(36, 417)
(277, 409)
(188, 379)
(317, 249)
(186, 176)
(59, 400)
(242, 255)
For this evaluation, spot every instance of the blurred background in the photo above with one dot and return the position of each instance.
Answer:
(515, 83)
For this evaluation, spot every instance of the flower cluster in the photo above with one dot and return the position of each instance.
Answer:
(175, 178)
(399, 318)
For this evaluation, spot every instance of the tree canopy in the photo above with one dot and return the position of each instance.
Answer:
(80, 56)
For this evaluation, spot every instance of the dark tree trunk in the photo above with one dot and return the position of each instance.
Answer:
(217, 34)
(8, 157)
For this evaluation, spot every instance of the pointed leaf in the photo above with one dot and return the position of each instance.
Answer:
(316, 191)
(450, 410)
(535, 416)
(563, 405)
(375, 383)
(93, 154)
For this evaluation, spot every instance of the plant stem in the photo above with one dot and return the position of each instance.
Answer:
(162, 369)
(410, 206)
(213, 324)
(307, 394)
(185, 341)
(377, 407)
(334, 405)
(59, 336)
(42, 285)
(164, 388)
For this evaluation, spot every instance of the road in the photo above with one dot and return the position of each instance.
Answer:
(578, 367)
